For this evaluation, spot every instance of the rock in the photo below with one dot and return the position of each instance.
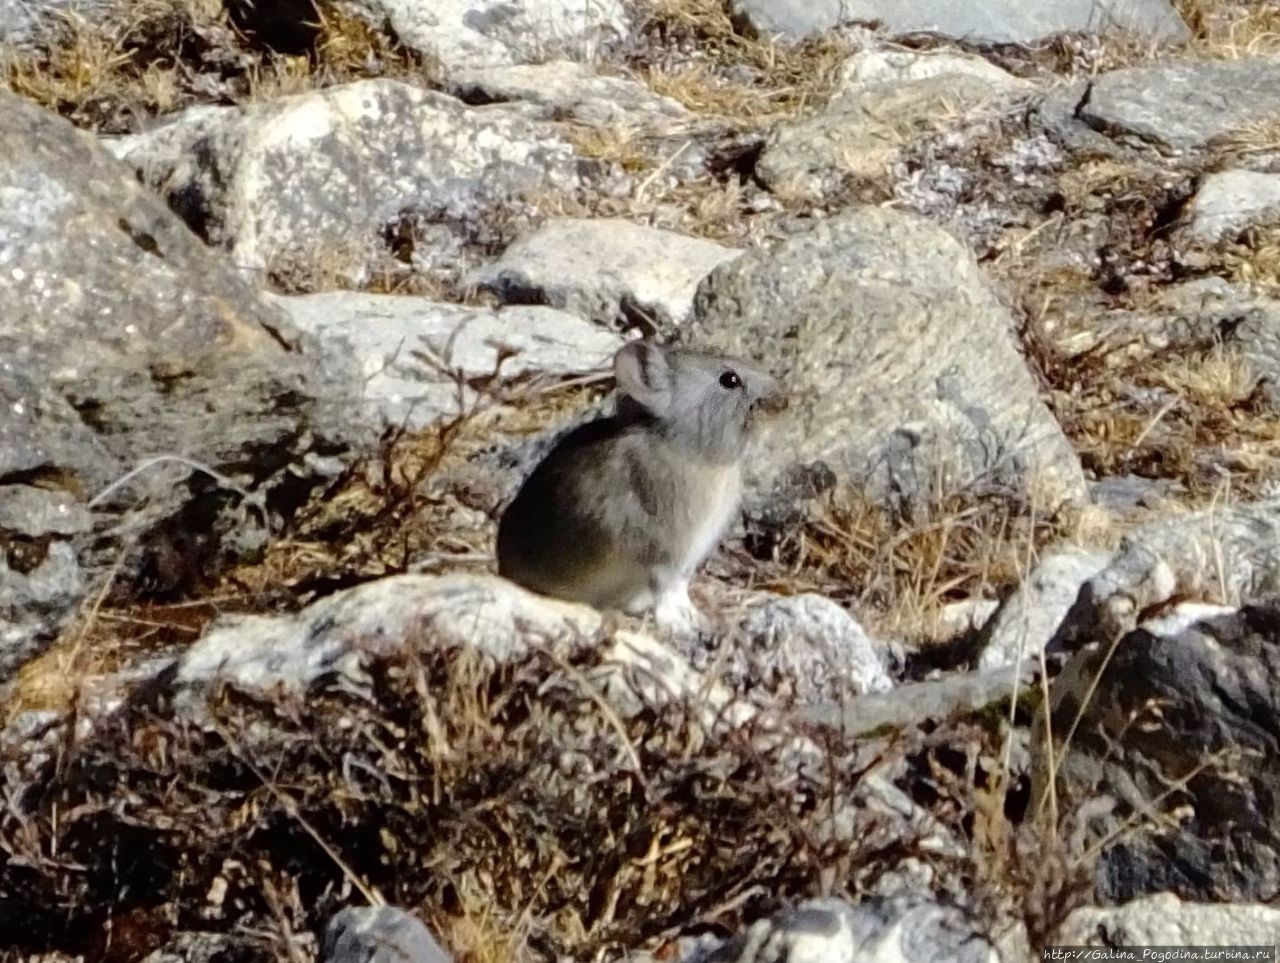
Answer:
(25, 23)
(883, 100)
(569, 91)
(609, 270)
(1184, 106)
(32, 512)
(1176, 729)
(464, 34)
(904, 373)
(786, 19)
(380, 934)
(421, 360)
(916, 703)
(1165, 920)
(1222, 553)
(122, 338)
(320, 181)
(1028, 618)
(811, 647)
(832, 931)
(999, 22)
(337, 637)
(1230, 201)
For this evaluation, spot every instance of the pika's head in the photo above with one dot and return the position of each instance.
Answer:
(709, 402)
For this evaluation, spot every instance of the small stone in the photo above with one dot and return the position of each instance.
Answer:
(1028, 619)
(1183, 105)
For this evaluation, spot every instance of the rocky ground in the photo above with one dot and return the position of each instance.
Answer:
(291, 296)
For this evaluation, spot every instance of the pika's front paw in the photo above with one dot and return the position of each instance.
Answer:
(676, 613)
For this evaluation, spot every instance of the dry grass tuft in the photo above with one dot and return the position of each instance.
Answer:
(900, 573)
(140, 60)
(694, 54)
(1232, 29)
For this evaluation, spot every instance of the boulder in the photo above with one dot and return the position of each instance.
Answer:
(882, 101)
(122, 339)
(995, 22)
(465, 34)
(420, 361)
(1230, 201)
(1183, 105)
(609, 270)
(1175, 747)
(319, 183)
(904, 372)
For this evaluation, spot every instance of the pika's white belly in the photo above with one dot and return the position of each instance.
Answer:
(707, 514)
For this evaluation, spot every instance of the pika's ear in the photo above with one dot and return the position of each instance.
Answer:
(644, 375)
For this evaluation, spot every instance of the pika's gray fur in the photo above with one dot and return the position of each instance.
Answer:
(623, 509)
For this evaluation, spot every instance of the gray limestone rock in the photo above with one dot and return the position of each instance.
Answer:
(883, 100)
(812, 647)
(465, 34)
(902, 930)
(1165, 920)
(1230, 553)
(1230, 201)
(1027, 620)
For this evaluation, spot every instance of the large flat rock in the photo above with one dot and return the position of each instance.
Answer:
(997, 21)
(1184, 105)
(608, 269)
(420, 360)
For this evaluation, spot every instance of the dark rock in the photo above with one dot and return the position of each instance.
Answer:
(1178, 729)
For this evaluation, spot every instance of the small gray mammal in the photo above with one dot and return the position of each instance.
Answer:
(623, 509)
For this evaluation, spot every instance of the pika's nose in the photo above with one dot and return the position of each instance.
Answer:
(773, 400)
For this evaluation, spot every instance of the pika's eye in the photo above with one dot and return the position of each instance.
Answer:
(730, 380)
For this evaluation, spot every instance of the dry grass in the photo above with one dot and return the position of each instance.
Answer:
(144, 59)
(1231, 29)
(694, 54)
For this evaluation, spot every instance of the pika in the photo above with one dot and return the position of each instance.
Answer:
(624, 509)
